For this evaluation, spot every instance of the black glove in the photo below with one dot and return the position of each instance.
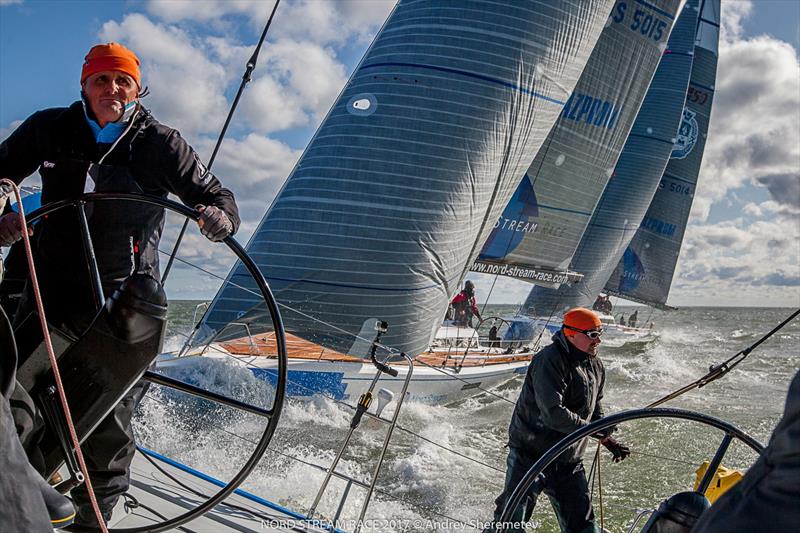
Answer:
(214, 223)
(10, 229)
(617, 449)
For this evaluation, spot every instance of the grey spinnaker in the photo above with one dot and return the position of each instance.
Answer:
(635, 179)
(538, 232)
(645, 272)
(384, 212)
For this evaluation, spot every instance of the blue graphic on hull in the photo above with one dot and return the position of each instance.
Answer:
(307, 382)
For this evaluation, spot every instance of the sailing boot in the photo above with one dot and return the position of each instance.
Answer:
(59, 507)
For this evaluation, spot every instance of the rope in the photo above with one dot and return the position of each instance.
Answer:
(51, 355)
(599, 485)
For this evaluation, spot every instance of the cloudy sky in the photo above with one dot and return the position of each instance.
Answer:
(743, 243)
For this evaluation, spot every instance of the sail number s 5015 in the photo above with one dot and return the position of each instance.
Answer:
(645, 23)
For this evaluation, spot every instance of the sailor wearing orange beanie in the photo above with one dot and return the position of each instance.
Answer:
(108, 142)
(111, 56)
(110, 85)
(562, 393)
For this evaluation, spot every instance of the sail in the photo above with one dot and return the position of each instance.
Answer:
(645, 272)
(635, 178)
(535, 237)
(382, 215)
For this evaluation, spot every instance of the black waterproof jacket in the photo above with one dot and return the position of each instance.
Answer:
(150, 158)
(562, 392)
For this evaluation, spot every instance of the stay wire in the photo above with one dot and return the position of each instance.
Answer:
(717, 371)
(246, 77)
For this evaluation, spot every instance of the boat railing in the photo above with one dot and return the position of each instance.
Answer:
(362, 409)
(250, 340)
(196, 309)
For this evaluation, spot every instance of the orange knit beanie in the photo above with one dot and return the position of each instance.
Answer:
(111, 56)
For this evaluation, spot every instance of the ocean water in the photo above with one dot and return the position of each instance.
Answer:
(445, 465)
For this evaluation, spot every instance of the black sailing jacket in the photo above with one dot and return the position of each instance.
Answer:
(150, 158)
(562, 392)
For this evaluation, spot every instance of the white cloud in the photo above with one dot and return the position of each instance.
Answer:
(8, 130)
(254, 168)
(206, 10)
(323, 22)
(332, 21)
(754, 139)
(741, 261)
(301, 83)
(733, 14)
(754, 135)
(187, 88)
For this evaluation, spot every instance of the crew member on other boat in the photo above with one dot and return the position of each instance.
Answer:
(105, 142)
(465, 306)
(633, 319)
(562, 393)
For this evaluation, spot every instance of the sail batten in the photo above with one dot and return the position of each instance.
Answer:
(451, 102)
(537, 234)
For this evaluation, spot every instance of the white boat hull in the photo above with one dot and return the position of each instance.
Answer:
(526, 329)
(344, 380)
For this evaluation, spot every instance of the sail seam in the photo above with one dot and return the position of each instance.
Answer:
(468, 74)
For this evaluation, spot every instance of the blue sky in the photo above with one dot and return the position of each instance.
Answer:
(743, 242)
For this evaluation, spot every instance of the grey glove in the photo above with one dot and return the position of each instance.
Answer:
(10, 229)
(213, 223)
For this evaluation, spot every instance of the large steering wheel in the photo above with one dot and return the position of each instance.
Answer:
(731, 432)
(272, 413)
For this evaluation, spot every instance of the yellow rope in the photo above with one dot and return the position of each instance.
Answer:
(599, 485)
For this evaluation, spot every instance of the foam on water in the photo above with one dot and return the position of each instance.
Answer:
(424, 479)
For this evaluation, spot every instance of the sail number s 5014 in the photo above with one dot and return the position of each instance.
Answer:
(645, 23)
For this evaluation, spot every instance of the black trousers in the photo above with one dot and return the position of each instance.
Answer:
(564, 484)
(110, 449)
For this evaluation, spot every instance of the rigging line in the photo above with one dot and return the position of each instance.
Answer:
(307, 463)
(59, 386)
(246, 77)
(717, 371)
(544, 328)
(353, 407)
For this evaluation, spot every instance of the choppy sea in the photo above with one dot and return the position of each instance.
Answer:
(445, 466)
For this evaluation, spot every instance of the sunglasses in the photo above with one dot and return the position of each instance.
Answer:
(591, 333)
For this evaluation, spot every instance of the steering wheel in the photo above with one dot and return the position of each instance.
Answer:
(272, 413)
